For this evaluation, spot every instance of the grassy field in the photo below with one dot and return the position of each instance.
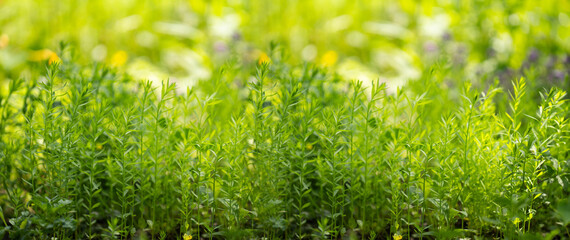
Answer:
(284, 119)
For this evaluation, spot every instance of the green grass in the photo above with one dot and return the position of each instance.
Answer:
(281, 151)
(362, 120)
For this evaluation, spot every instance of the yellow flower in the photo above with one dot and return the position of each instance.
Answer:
(119, 58)
(397, 236)
(53, 58)
(516, 221)
(263, 58)
(4, 40)
(187, 236)
(329, 58)
(44, 54)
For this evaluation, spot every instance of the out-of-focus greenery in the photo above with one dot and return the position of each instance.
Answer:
(392, 40)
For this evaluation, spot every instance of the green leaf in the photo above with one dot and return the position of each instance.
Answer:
(23, 224)
(2, 216)
(564, 211)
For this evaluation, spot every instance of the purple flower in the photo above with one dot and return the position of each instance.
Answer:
(236, 36)
(430, 47)
(558, 75)
(220, 46)
(533, 55)
(447, 37)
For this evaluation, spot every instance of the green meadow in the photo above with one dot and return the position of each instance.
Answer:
(284, 119)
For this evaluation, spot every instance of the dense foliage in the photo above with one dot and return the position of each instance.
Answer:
(254, 119)
(301, 153)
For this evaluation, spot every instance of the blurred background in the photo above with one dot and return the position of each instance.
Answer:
(395, 41)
